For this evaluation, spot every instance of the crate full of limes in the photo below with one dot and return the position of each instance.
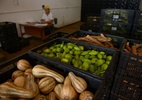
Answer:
(84, 57)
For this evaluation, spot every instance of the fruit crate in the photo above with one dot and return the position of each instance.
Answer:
(138, 17)
(39, 52)
(8, 67)
(136, 32)
(117, 41)
(125, 88)
(116, 29)
(130, 64)
(90, 27)
(117, 16)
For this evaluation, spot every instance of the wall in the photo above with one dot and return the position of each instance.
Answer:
(19, 11)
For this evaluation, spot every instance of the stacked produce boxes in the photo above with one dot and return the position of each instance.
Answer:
(127, 82)
(82, 56)
(137, 26)
(118, 4)
(92, 24)
(117, 21)
(133, 4)
(8, 37)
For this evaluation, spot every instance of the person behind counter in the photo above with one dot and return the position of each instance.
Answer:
(47, 18)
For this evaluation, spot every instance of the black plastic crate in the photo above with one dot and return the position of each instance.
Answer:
(90, 27)
(8, 28)
(118, 4)
(138, 17)
(125, 88)
(124, 16)
(136, 32)
(130, 65)
(133, 4)
(112, 66)
(56, 35)
(7, 68)
(117, 41)
(116, 29)
(12, 48)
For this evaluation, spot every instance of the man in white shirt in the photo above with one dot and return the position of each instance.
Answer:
(48, 19)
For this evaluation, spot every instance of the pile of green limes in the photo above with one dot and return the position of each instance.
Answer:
(93, 61)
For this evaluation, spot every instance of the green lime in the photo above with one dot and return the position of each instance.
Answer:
(70, 47)
(86, 56)
(97, 72)
(66, 50)
(104, 56)
(77, 48)
(64, 60)
(58, 49)
(54, 50)
(109, 58)
(68, 56)
(84, 53)
(104, 66)
(100, 56)
(51, 55)
(102, 53)
(47, 50)
(81, 57)
(71, 52)
(99, 62)
(76, 64)
(85, 66)
(108, 62)
(94, 60)
(52, 47)
(73, 60)
(76, 57)
(81, 48)
(93, 52)
(92, 69)
(86, 60)
(77, 52)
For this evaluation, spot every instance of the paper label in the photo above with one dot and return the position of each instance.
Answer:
(115, 16)
(114, 28)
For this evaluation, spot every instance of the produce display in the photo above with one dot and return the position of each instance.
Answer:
(100, 40)
(93, 61)
(41, 83)
(134, 48)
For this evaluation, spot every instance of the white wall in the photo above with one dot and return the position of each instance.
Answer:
(19, 11)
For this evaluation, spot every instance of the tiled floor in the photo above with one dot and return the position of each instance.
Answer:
(36, 42)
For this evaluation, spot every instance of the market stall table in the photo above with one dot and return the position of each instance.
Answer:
(34, 29)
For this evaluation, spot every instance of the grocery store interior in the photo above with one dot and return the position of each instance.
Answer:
(100, 40)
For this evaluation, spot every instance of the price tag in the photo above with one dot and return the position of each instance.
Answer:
(115, 16)
(94, 19)
(114, 28)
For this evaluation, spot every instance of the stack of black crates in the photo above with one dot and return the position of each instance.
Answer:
(137, 26)
(92, 24)
(116, 21)
(8, 37)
